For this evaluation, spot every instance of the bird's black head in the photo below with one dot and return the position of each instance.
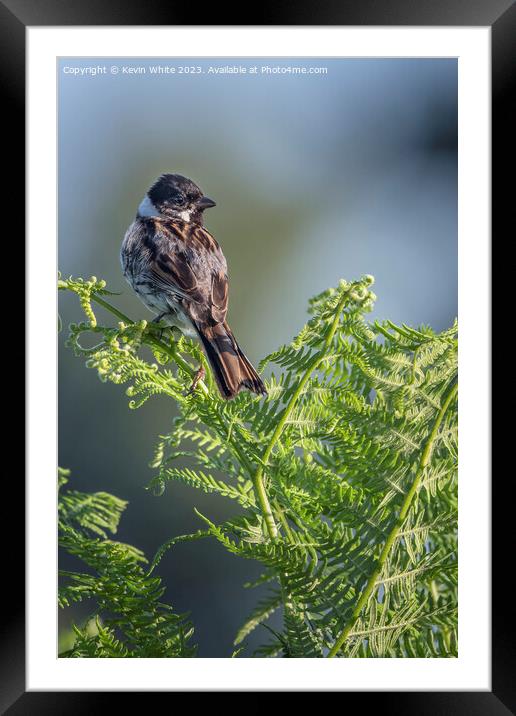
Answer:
(177, 197)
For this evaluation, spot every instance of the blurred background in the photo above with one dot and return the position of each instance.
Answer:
(317, 177)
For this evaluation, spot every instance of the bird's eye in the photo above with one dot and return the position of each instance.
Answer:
(179, 199)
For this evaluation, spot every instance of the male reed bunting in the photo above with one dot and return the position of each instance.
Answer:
(178, 270)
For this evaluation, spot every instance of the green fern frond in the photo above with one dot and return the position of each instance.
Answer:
(130, 619)
(263, 610)
(345, 474)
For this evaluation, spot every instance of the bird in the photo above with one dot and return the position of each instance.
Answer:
(178, 270)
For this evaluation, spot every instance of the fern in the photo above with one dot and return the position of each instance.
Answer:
(346, 473)
(129, 619)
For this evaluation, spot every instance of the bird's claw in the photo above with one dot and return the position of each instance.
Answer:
(199, 375)
(156, 323)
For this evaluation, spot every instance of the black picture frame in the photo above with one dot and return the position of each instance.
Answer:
(500, 16)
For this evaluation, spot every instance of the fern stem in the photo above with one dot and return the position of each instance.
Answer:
(258, 476)
(111, 308)
(265, 505)
(407, 502)
(284, 522)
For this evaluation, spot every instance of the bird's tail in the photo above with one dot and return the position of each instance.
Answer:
(232, 370)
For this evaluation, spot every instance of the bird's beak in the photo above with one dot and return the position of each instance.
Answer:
(205, 203)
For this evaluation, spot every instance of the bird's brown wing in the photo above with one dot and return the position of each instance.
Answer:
(219, 296)
(188, 262)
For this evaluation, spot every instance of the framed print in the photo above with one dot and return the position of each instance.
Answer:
(263, 236)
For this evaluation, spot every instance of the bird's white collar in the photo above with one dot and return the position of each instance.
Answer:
(147, 208)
